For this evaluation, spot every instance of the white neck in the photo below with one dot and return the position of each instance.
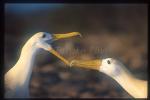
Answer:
(21, 72)
(135, 87)
(26, 60)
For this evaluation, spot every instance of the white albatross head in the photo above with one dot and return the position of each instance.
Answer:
(108, 66)
(42, 40)
(111, 66)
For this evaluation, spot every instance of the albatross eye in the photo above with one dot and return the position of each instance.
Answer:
(108, 61)
(43, 36)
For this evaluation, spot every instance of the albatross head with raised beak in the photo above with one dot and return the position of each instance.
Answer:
(42, 39)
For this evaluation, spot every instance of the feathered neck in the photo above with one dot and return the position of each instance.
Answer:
(137, 88)
(22, 71)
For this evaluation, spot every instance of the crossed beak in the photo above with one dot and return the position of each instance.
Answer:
(88, 64)
(61, 36)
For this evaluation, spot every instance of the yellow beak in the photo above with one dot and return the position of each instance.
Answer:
(61, 36)
(67, 35)
(59, 56)
(89, 64)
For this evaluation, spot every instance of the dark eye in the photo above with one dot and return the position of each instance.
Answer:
(108, 61)
(43, 36)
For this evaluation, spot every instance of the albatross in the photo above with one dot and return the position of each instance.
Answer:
(117, 71)
(18, 77)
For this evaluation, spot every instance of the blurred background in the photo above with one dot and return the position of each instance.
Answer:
(108, 30)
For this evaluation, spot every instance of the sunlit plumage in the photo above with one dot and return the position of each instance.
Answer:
(116, 70)
(17, 78)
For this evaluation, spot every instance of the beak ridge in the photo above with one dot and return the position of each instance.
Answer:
(66, 35)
